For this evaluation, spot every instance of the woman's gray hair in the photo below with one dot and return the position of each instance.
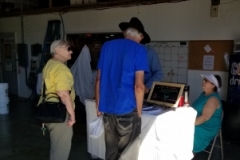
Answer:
(57, 43)
(131, 32)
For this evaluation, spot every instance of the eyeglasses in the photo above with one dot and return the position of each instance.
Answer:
(68, 48)
(206, 80)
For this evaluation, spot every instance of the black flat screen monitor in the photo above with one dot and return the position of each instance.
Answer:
(165, 94)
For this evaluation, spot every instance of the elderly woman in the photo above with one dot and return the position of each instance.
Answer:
(58, 79)
(209, 112)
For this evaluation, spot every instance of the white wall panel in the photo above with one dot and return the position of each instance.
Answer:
(188, 20)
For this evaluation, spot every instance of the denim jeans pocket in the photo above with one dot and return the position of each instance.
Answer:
(139, 124)
(125, 125)
(106, 123)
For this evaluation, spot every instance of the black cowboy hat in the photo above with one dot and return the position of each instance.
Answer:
(136, 24)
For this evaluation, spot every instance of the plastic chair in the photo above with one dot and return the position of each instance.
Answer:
(214, 143)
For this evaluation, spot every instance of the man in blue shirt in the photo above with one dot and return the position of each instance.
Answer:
(120, 91)
(155, 70)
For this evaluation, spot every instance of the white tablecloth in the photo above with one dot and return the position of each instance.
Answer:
(168, 136)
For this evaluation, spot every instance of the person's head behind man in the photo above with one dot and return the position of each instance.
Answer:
(134, 30)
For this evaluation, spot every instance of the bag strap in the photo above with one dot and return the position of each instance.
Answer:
(57, 96)
(44, 89)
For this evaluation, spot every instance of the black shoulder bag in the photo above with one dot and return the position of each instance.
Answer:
(50, 112)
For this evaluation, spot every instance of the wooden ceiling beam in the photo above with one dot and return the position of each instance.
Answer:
(89, 6)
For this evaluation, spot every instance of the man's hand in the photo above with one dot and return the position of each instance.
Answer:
(99, 113)
(139, 115)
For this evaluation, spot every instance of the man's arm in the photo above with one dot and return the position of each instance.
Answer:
(155, 70)
(97, 91)
(139, 90)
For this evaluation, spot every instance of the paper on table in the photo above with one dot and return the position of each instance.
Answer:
(147, 108)
(154, 111)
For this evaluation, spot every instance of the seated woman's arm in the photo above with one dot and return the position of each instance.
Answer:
(66, 99)
(208, 110)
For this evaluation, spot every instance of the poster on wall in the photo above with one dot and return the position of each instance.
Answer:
(234, 80)
(208, 62)
(173, 57)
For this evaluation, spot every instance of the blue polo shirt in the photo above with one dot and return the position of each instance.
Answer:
(118, 62)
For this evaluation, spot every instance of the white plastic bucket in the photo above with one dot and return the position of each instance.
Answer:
(3, 99)
(3, 90)
(4, 109)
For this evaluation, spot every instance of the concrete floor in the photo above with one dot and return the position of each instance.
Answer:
(21, 137)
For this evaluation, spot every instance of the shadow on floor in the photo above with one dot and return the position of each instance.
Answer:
(21, 137)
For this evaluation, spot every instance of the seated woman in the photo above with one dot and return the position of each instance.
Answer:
(209, 112)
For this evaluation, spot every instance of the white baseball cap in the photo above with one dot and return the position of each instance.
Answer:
(212, 79)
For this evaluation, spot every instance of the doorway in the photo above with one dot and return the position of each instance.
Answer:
(94, 41)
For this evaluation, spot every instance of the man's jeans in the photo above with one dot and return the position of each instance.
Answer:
(122, 136)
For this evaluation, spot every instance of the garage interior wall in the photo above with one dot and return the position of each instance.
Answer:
(187, 20)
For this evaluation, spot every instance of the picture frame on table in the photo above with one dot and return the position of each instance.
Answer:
(166, 94)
